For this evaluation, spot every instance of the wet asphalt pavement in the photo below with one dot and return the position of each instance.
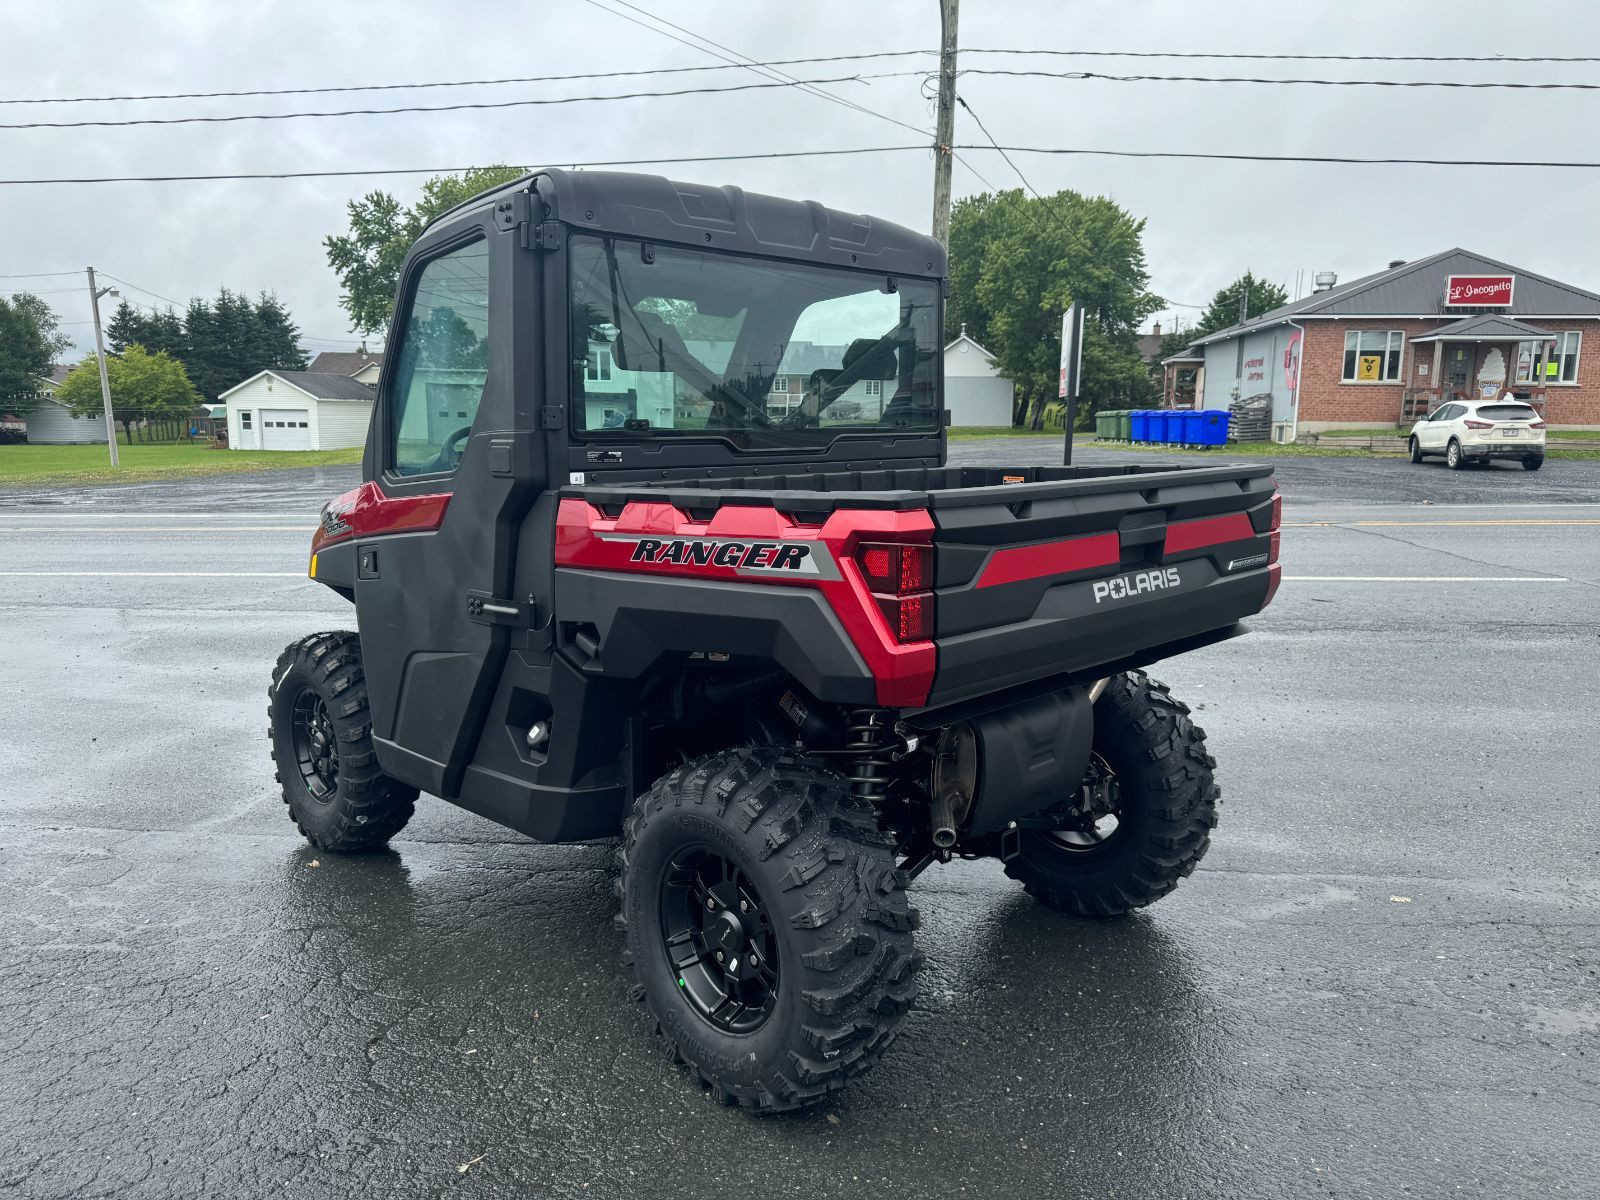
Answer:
(1381, 982)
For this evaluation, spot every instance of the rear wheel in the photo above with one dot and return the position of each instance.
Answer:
(1143, 818)
(1453, 458)
(766, 925)
(1533, 464)
(1416, 449)
(321, 733)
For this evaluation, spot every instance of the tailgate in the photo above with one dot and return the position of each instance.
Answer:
(1033, 587)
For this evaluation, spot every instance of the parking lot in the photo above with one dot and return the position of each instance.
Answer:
(1382, 981)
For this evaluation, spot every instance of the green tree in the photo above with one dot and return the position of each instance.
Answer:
(144, 387)
(229, 339)
(158, 332)
(367, 259)
(30, 341)
(1016, 264)
(1223, 311)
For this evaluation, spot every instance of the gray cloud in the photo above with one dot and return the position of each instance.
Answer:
(1207, 221)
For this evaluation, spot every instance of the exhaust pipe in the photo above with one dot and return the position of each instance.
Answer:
(943, 818)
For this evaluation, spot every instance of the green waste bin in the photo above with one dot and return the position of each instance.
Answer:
(1103, 426)
(1124, 425)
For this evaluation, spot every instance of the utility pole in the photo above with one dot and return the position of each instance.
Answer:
(945, 132)
(100, 356)
(1244, 300)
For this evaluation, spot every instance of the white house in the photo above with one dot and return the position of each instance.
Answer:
(51, 423)
(359, 365)
(974, 391)
(297, 410)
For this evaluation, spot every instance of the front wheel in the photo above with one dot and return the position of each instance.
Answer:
(321, 733)
(1416, 449)
(1533, 464)
(1143, 817)
(766, 925)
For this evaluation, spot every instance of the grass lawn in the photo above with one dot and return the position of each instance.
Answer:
(41, 466)
(961, 432)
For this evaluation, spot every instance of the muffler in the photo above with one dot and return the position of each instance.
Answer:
(1029, 757)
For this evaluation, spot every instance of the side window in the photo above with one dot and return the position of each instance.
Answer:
(443, 363)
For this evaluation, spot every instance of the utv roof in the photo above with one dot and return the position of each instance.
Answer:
(653, 208)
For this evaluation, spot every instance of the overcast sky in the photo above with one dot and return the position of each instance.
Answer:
(1207, 221)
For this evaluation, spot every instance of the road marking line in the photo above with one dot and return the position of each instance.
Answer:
(155, 574)
(1421, 524)
(1426, 579)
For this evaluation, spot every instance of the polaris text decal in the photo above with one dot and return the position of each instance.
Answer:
(741, 556)
(1136, 584)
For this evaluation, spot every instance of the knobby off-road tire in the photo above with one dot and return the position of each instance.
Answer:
(832, 911)
(1168, 808)
(321, 736)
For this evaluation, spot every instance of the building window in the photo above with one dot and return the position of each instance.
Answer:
(1563, 364)
(599, 365)
(780, 383)
(1372, 355)
(874, 387)
(244, 420)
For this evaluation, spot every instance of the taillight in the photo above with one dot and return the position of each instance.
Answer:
(1535, 424)
(1272, 548)
(1478, 424)
(1277, 510)
(900, 577)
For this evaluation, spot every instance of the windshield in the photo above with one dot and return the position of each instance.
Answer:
(671, 342)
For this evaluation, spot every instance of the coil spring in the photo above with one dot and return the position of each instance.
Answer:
(867, 737)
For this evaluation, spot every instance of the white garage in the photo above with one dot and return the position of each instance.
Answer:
(298, 410)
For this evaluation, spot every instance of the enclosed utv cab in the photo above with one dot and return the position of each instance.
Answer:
(656, 539)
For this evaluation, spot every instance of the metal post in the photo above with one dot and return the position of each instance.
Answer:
(100, 356)
(945, 131)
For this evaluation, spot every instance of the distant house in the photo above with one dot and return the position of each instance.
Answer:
(359, 365)
(1150, 344)
(974, 390)
(299, 410)
(50, 422)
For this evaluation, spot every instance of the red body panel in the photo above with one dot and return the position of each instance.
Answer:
(367, 512)
(1208, 531)
(1016, 563)
(745, 540)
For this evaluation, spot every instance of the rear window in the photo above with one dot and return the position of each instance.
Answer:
(1507, 412)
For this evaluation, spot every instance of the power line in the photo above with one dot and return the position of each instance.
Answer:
(137, 288)
(454, 83)
(39, 274)
(833, 152)
(1469, 85)
(1427, 58)
(412, 108)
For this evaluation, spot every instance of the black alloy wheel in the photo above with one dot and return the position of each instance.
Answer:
(1093, 822)
(718, 936)
(315, 746)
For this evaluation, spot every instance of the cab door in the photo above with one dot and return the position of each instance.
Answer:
(446, 453)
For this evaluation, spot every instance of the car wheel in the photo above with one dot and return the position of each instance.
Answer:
(1453, 458)
(1416, 449)
(1533, 464)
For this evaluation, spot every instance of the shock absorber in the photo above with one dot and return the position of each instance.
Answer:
(869, 738)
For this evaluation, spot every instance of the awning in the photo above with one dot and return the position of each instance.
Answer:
(1487, 327)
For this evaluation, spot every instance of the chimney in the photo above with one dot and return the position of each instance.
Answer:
(1398, 262)
(963, 329)
(1155, 330)
(1323, 281)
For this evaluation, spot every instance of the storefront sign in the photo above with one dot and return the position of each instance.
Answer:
(1369, 366)
(1479, 291)
(1291, 362)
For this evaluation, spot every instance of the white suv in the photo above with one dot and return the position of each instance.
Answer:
(1467, 431)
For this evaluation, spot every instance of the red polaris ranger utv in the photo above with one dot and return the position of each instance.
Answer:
(657, 543)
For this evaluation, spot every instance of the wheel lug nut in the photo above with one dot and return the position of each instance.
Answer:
(744, 906)
(754, 961)
(711, 902)
(719, 956)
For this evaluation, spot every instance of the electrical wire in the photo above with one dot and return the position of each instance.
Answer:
(1470, 85)
(40, 274)
(1264, 57)
(410, 108)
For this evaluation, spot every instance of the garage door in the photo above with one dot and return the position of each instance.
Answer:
(285, 429)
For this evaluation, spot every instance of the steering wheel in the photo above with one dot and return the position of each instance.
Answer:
(450, 453)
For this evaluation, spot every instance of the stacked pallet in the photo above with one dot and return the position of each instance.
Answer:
(1251, 418)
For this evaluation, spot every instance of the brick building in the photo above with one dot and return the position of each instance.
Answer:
(1392, 346)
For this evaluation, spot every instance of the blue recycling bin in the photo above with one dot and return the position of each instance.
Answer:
(1212, 427)
(1185, 428)
(1157, 421)
(1139, 425)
